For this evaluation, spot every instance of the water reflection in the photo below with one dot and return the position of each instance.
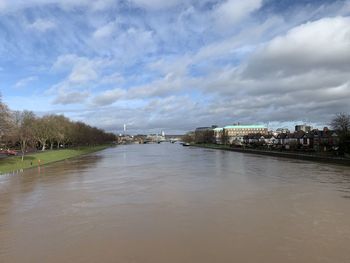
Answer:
(168, 203)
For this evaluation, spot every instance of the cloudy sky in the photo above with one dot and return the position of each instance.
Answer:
(177, 64)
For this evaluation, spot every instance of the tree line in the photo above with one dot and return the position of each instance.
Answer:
(23, 130)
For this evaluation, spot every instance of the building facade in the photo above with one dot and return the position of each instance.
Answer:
(304, 128)
(234, 134)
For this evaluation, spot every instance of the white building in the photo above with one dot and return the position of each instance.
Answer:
(235, 133)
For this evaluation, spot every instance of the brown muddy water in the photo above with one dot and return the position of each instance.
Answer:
(167, 203)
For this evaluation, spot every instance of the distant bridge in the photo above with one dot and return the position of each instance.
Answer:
(171, 140)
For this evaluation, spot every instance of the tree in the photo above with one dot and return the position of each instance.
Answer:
(41, 131)
(64, 130)
(5, 119)
(54, 129)
(24, 129)
(204, 136)
(341, 123)
(189, 137)
(23, 122)
(224, 137)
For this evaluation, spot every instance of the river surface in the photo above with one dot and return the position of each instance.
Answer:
(172, 204)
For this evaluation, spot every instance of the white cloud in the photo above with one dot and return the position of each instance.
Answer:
(66, 97)
(160, 88)
(65, 62)
(109, 97)
(232, 11)
(104, 31)
(82, 69)
(125, 44)
(156, 4)
(3, 4)
(154, 115)
(321, 44)
(13, 5)
(169, 84)
(42, 25)
(82, 75)
(114, 79)
(300, 72)
(24, 82)
(303, 73)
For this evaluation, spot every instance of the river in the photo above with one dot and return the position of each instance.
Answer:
(164, 203)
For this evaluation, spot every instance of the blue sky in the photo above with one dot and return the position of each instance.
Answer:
(174, 65)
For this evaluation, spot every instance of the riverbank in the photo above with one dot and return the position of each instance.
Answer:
(291, 155)
(12, 164)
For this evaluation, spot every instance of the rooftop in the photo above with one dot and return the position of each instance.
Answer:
(241, 127)
(245, 127)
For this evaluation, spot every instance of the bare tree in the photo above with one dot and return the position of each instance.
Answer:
(189, 137)
(224, 137)
(41, 131)
(341, 123)
(24, 129)
(54, 129)
(204, 136)
(63, 130)
(5, 119)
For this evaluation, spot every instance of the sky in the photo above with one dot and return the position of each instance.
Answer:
(175, 65)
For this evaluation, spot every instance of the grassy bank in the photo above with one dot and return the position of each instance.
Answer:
(316, 157)
(8, 165)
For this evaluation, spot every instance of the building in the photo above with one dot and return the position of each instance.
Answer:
(218, 135)
(267, 140)
(234, 134)
(282, 130)
(315, 140)
(303, 128)
(325, 140)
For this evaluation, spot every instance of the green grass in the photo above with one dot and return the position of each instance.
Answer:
(15, 163)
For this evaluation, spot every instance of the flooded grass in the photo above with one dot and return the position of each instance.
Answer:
(11, 164)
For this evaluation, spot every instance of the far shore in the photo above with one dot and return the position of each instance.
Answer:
(14, 164)
(284, 154)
